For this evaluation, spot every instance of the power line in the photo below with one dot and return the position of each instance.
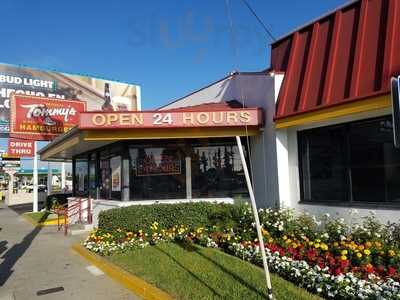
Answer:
(259, 20)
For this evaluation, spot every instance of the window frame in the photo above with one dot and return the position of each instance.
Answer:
(304, 177)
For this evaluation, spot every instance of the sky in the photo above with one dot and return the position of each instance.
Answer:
(169, 48)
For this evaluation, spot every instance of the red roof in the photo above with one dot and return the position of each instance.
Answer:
(347, 55)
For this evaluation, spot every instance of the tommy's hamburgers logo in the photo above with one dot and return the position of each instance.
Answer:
(41, 110)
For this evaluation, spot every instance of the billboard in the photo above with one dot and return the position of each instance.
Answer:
(98, 94)
(42, 119)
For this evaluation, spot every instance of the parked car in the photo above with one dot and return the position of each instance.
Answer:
(41, 188)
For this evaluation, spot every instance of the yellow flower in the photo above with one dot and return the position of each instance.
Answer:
(284, 237)
(378, 244)
(294, 245)
(359, 255)
(391, 253)
(368, 245)
(311, 243)
(336, 244)
(323, 246)
(343, 252)
(317, 245)
(343, 257)
(367, 252)
(270, 240)
(361, 247)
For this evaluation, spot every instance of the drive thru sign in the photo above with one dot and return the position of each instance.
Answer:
(20, 148)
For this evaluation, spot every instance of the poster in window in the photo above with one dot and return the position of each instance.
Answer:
(156, 162)
(115, 173)
(81, 170)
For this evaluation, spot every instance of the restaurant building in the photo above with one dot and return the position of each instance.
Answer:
(334, 133)
(323, 142)
(184, 151)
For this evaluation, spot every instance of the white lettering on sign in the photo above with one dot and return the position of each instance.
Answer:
(16, 80)
(172, 119)
(20, 144)
(159, 119)
(40, 110)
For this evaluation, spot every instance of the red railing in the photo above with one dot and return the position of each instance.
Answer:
(72, 208)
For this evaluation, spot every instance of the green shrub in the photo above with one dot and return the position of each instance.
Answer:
(141, 217)
(59, 199)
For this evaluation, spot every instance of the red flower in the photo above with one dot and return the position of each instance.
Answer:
(337, 271)
(369, 268)
(344, 263)
(391, 271)
(311, 254)
(380, 269)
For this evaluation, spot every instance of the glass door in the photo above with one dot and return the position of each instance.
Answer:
(105, 178)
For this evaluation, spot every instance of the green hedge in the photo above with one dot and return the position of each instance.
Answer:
(141, 217)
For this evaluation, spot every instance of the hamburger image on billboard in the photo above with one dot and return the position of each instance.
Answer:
(98, 94)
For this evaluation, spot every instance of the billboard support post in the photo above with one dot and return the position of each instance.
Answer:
(10, 187)
(35, 180)
(63, 177)
(49, 178)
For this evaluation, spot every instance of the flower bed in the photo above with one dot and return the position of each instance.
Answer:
(326, 256)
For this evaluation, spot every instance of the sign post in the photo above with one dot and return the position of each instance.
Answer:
(10, 186)
(63, 177)
(35, 180)
(49, 178)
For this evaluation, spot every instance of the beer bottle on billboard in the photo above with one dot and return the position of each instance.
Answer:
(107, 98)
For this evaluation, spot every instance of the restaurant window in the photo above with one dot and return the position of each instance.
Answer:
(110, 173)
(81, 177)
(353, 163)
(157, 173)
(217, 171)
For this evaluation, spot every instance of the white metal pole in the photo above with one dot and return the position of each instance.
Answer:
(257, 220)
(35, 179)
(63, 176)
(49, 178)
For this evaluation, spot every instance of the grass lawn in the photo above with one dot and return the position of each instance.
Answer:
(38, 217)
(203, 273)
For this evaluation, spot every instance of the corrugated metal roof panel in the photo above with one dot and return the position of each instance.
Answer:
(347, 55)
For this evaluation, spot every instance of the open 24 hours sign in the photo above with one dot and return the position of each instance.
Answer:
(39, 118)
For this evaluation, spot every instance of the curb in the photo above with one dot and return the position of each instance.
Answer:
(42, 224)
(135, 284)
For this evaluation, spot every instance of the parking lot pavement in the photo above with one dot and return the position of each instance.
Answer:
(37, 263)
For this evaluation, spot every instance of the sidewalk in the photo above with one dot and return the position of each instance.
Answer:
(34, 259)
